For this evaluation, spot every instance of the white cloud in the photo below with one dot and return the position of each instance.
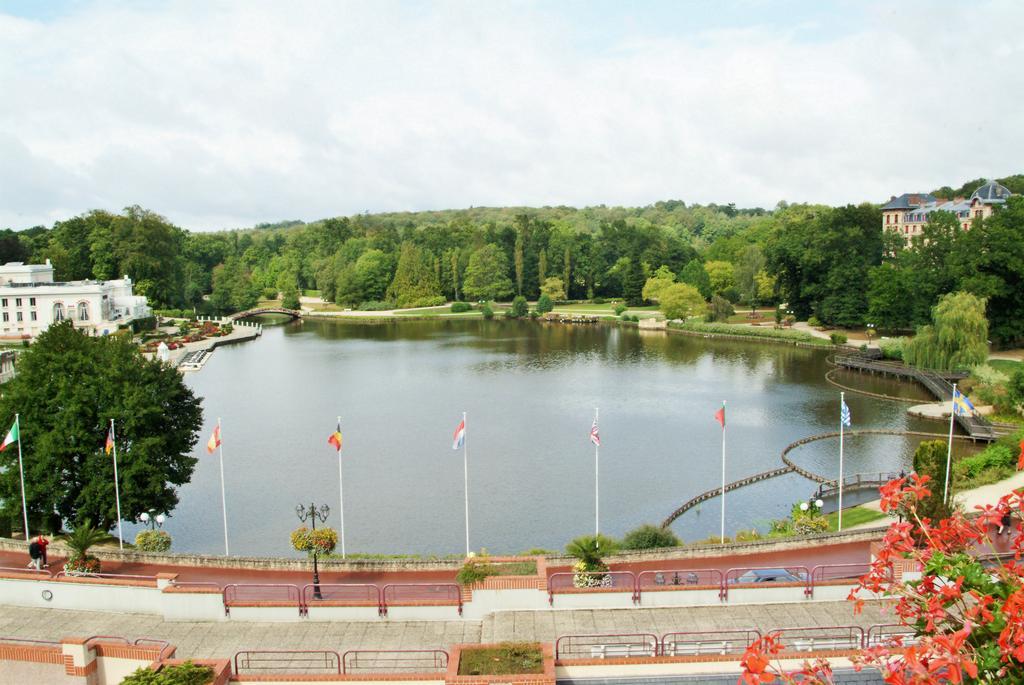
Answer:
(221, 114)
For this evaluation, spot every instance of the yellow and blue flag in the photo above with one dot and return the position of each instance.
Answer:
(961, 405)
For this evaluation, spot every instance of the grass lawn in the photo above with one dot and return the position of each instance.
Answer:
(502, 659)
(311, 293)
(1007, 366)
(854, 516)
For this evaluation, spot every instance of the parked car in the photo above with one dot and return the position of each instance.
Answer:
(769, 575)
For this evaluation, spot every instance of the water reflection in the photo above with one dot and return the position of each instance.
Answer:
(530, 389)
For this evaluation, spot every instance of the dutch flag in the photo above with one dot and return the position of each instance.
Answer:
(459, 438)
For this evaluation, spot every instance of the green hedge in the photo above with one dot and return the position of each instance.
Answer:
(747, 331)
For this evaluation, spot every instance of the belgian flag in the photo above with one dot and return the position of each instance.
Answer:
(335, 438)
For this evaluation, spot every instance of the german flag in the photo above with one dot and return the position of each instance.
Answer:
(335, 438)
(110, 440)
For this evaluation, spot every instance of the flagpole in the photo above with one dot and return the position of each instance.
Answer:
(117, 489)
(223, 497)
(597, 482)
(341, 499)
(465, 473)
(722, 538)
(842, 403)
(949, 449)
(21, 469)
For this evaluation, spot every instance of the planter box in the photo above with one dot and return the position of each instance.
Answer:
(547, 677)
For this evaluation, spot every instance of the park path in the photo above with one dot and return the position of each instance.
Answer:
(222, 640)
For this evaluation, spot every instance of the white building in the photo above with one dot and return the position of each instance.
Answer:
(30, 301)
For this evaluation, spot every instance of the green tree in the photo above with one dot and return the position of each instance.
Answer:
(721, 274)
(694, 274)
(233, 289)
(751, 262)
(649, 537)
(554, 288)
(519, 308)
(415, 277)
(992, 258)
(633, 283)
(957, 338)
(487, 275)
(930, 460)
(681, 301)
(657, 283)
(291, 299)
(544, 304)
(720, 309)
(64, 423)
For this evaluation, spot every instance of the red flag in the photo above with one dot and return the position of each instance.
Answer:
(214, 442)
(1020, 459)
(720, 416)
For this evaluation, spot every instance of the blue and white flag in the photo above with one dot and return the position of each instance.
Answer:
(845, 414)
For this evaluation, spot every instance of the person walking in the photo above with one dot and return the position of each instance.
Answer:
(35, 555)
(43, 542)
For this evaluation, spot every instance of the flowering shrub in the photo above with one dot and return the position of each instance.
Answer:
(589, 576)
(968, 616)
(319, 541)
(82, 564)
(153, 541)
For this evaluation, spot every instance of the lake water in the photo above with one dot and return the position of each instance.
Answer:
(530, 390)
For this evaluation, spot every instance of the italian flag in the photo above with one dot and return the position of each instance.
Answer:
(12, 437)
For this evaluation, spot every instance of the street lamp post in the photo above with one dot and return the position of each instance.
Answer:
(312, 514)
(152, 520)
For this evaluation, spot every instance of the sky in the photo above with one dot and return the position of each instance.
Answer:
(227, 114)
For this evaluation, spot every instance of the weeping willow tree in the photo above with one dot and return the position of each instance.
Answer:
(957, 337)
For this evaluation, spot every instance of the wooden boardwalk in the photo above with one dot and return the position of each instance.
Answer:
(826, 485)
(939, 385)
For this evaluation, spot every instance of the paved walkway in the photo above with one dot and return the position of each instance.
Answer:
(208, 640)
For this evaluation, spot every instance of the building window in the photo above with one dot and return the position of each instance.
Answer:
(4, 302)
(32, 301)
(7, 317)
(17, 302)
(83, 311)
(32, 315)
(58, 311)
(19, 315)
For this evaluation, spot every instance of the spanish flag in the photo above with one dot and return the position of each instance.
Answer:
(335, 438)
(110, 440)
(214, 441)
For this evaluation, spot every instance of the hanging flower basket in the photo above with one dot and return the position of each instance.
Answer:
(319, 541)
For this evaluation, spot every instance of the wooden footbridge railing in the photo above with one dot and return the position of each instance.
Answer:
(826, 484)
(294, 313)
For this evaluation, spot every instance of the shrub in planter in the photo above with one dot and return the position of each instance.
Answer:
(153, 541)
(475, 571)
(319, 541)
(837, 338)
(82, 564)
(79, 542)
(180, 674)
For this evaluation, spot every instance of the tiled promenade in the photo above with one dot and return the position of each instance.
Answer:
(206, 640)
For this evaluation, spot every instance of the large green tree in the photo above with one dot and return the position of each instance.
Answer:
(681, 301)
(233, 289)
(415, 277)
(487, 275)
(68, 388)
(957, 338)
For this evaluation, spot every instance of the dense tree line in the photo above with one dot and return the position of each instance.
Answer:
(834, 263)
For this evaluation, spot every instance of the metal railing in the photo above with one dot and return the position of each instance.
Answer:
(411, 594)
(344, 594)
(607, 646)
(288, 660)
(570, 581)
(28, 641)
(820, 638)
(830, 573)
(890, 635)
(280, 594)
(679, 579)
(706, 642)
(164, 645)
(394, 661)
